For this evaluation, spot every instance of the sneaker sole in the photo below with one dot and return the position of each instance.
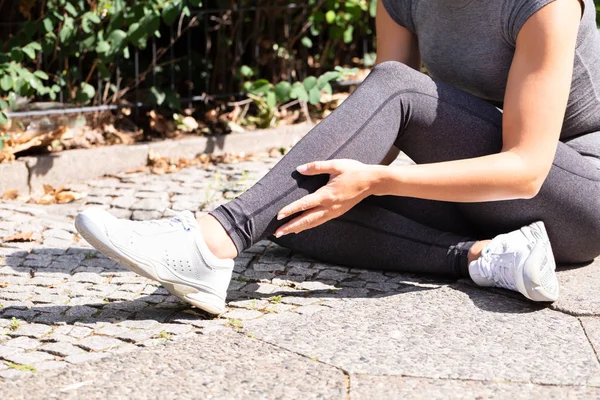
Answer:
(90, 231)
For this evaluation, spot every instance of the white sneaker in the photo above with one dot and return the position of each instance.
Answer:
(522, 261)
(171, 252)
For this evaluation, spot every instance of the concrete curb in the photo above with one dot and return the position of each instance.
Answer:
(29, 174)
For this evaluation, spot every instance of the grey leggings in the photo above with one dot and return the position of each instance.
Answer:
(431, 122)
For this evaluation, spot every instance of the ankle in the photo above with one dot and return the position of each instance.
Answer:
(216, 238)
(476, 249)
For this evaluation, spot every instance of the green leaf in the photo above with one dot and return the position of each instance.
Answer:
(307, 42)
(299, 92)
(326, 78)
(85, 94)
(261, 86)
(327, 88)
(330, 16)
(68, 30)
(116, 41)
(3, 105)
(92, 17)
(16, 55)
(157, 96)
(171, 11)
(20, 86)
(349, 34)
(196, 3)
(246, 71)
(271, 99)
(29, 52)
(310, 83)
(103, 47)
(314, 96)
(3, 121)
(48, 25)
(6, 83)
(283, 91)
(42, 75)
(88, 21)
(70, 8)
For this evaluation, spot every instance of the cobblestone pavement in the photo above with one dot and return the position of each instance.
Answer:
(73, 323)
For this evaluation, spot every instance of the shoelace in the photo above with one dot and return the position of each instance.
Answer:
(497, 267)
(178, 218)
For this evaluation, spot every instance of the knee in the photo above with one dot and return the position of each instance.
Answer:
(393, 67)
(395, 73)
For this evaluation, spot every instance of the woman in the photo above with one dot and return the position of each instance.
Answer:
(506, 137)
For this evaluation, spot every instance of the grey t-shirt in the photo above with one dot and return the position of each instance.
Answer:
(471, 43)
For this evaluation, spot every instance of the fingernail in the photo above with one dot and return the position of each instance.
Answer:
(278, 234)
(301, 168)
(280, 217)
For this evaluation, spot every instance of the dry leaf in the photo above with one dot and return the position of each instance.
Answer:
(60, 195)
(20, 237)
(3, 284)
(46, 199)
(136, 170)
(48, 189)
(68, 196)
(10, 194)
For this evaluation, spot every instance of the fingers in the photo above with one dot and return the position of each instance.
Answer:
(306, 203)
(307, 220)
(319, 167)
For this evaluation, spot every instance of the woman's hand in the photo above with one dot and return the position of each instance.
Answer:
(350, 182)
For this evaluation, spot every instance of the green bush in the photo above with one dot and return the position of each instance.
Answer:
(81, 41)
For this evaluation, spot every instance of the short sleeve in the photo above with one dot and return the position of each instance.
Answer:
(517, 12)
(401, 12)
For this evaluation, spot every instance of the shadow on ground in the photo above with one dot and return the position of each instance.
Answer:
(56, 286)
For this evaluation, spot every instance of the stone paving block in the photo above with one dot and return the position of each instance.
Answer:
(578, 290)
(30, 358)
(98, 343)
(381, 387)
(441, 333)
(274, 374)
(22, 342)
(79, 313)
(79, 332)
(141, 324)
(243, 314)
(61, 349)
(87, 277)
(8, 350)
(32, 330)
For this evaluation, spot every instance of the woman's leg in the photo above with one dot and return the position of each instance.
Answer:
(364, 128)
(431, 121)
(392, 233)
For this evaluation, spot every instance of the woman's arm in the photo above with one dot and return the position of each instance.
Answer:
(536, 97)
(395, 43)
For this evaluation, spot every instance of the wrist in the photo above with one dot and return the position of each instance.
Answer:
(378, 176)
